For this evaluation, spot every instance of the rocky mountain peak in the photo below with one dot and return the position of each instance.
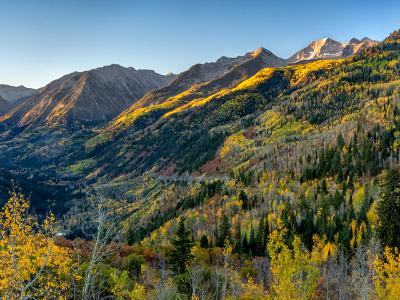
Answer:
(328, 48)
(91, 96)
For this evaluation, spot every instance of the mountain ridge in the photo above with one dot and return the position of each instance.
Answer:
(14, 94)
(184, 88)
(116, 94)
(85, 97)
(328, 48)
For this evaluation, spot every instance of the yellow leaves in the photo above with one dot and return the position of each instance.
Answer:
(302, 71)
(195, 103)
(322, 251)
(387, 278)
(372, 215)
(123, 287)
(200, 255)
(138, 292)
(252, 290)
(31, 262)
(228, 249)
(358, 233)
(234, 144)
(255, 80)
(295, 270)
(120, 282)
(271, 119)
(233, 205)
(393, 63)
(358, 199)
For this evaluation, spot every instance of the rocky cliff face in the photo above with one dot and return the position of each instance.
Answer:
(330, 49)
(355, 46)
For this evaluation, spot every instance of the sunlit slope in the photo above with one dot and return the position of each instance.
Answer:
(138, 117)
(89, 97)
(200, 81)
(188, 135)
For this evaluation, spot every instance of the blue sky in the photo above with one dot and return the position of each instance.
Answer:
(43, 40)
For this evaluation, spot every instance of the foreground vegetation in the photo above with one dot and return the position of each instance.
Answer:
(272, 264)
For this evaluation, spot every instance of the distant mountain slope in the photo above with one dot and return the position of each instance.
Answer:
(5, 106)
(85, 97)
(330, 49)
(189, 135)
(14, 94)
(355, 46)
(246, 134)
(194, 83)
(200, 73)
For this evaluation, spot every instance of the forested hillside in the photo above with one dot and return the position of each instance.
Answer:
(284, 186)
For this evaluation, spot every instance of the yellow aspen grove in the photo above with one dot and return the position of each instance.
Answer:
(295, 272)
(31, 264)
(387, 278)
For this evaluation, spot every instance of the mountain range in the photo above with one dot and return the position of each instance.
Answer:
(84, 97)
(99, 95)
(10, 96)
(15, 94)
(330, 49)
(144, 140)
(248, 177)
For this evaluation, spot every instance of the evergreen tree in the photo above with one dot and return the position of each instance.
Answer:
(266, 235)
(204, 242)
(389, 208)
(340, 141)
(245, 244)
(238, 240)
(260, 237)
(224, 232)
(245, 200)
(252, 242)
(182, 245)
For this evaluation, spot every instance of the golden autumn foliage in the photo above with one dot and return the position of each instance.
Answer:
(234, 144)
(387, 278)
(295, 270)
(31, 264)
(123, 287)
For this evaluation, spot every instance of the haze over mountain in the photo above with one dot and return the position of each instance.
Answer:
(5, 106)
(11, 96)
(85, 97)
(14, 94)
(328, 48)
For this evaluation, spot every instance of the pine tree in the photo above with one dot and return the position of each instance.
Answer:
(389, 208)
(238, 240)
(266, 235)
(181, 251)
(245, 200)
(260, 237)
(252, 242)
(224, 231)
(340, 141)
(245, 244)
(204, 242)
